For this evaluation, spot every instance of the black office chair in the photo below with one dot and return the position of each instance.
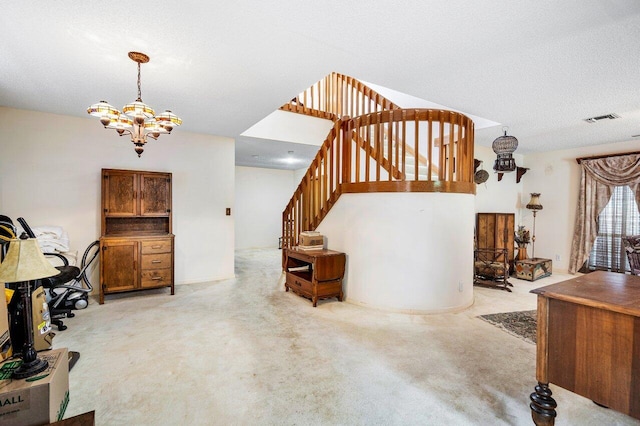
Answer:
(632, 248)
(67, 274)
(7, 231)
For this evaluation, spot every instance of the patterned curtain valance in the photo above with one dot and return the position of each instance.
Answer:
(614, 171)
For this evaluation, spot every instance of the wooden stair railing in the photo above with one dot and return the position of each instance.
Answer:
(318, 190)
(449, 163)
(355, 157)
(338, 95)
(341, 95)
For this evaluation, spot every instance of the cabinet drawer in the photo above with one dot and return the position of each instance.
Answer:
(156, 246)
(156, 277)
(156, 261)
(298, 283)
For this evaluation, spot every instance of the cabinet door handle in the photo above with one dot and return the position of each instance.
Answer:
(157, 278)
(156, 247)
(156, 261)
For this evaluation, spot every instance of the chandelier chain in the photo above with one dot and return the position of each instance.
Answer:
(139, 90)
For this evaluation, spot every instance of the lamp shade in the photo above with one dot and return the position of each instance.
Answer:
(102, 109)
(25, 262)
(534, 203)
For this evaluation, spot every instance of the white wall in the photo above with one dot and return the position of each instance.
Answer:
(261, 197)
(50, 175)
(495, 196)
(407, 252)
(556, 175)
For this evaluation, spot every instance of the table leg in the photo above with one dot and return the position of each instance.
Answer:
(543, 406)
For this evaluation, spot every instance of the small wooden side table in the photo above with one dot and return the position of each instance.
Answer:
(533, 269)
(314, 274)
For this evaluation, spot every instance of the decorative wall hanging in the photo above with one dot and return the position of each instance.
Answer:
(480, 176)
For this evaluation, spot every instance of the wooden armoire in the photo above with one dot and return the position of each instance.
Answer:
(136, 246)
(496, 231)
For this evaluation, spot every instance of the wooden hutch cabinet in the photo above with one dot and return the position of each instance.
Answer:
(136, 246)
(496, 231)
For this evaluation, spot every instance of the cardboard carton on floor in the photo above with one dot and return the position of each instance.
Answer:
(37, 400)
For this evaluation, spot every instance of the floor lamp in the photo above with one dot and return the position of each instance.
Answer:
(534, 204)
(23, 263)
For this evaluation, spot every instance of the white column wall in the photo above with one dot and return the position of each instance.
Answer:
(50, 175)
(407, 252)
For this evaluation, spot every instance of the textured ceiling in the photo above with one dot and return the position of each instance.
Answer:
(538, 67)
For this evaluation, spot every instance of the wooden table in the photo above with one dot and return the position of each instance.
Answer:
(589, 343)
(315, 274)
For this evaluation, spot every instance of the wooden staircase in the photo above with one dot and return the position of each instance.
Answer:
(375, 146)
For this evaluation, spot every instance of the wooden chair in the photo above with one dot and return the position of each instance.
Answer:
(632, 248)
(491, 268)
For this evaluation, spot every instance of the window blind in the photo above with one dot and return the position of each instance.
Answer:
(618, 219)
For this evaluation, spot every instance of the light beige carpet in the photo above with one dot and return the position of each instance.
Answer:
(245, 352)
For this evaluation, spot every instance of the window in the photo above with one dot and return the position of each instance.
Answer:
(618, 219)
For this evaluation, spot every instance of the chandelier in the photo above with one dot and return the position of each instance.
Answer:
(137, 119)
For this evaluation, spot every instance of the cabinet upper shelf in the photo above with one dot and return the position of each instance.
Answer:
(135, 201)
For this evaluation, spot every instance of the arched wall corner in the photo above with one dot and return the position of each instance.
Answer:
(406, 252)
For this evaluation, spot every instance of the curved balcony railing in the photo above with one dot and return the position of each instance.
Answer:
(385, 150)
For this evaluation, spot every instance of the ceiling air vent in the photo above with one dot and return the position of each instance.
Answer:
(602, 117)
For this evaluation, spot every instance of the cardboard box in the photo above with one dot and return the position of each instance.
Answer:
(42, 332)
(5, 337)
(41, 319)
(310, 240)
(37, 400)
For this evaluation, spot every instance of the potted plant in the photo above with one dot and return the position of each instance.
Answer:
(522, 238)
